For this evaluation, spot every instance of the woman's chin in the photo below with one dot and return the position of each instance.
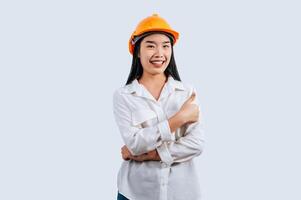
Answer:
(156, 72)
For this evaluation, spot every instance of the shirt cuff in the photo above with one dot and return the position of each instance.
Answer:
(165, 131)
(164, 154)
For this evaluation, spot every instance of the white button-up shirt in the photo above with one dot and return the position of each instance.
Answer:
(143, 124)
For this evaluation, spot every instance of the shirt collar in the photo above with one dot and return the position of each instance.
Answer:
(170, 86)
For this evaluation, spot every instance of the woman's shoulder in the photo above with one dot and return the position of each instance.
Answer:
(118, 92)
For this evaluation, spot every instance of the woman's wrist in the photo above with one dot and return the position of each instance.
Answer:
(151, 155)
(176, 122)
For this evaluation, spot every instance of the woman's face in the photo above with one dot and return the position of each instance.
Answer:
(155, 52)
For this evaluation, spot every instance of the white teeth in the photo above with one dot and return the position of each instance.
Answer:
(157, 62)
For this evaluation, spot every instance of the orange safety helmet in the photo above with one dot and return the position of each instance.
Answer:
(150, 24)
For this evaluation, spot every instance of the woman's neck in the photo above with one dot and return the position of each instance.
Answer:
(154, 84)
(153, 80)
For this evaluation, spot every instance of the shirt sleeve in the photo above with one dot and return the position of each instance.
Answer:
(186, 147)
(138, 140)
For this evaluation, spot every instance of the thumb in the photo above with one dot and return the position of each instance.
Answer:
(191, 98)
(193, 95)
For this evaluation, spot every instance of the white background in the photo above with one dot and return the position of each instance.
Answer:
(60, 62)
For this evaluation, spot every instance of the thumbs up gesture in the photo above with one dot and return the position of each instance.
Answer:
(189, 112)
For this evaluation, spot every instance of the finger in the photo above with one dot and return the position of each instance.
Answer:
(125, 158)
(122, 149)
(191, 98)
(193, 95)
(138, 158)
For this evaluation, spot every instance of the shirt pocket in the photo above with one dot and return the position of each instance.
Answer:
(144, 118)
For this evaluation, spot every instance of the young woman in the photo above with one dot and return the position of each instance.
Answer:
(159, 119)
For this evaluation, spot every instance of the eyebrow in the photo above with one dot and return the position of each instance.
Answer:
(152, 42)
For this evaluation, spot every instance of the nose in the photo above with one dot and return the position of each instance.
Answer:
(159, 53)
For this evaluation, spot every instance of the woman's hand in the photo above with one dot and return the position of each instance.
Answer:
(126, 154)
(189, 112)
(151, 155)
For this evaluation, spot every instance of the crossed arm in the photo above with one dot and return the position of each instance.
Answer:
(174, 123)
(151, 155)
(144, 146)
(188, 146)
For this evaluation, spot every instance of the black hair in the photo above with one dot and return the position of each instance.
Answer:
(137, 69)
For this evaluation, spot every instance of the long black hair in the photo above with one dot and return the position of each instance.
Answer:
(137, 70)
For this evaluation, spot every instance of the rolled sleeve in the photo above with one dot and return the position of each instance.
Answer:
(164, 154)
(188, 146)
(165, 131)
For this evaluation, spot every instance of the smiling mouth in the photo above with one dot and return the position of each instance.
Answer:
(157, 63)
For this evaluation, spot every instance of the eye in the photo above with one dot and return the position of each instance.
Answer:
(150, 46)
(166, 46)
